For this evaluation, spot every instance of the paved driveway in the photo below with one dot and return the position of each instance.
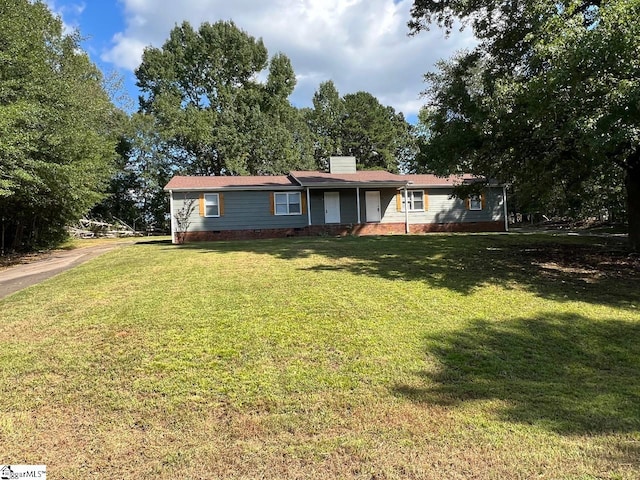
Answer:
(22, 276)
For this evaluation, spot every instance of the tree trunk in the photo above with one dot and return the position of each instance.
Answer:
(17, 238)
(633, 201)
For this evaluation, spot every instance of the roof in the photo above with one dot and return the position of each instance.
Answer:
(311, 179)
(237, 182)
(323, 179)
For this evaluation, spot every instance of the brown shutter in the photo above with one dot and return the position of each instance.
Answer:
(482, 200)
(201, 204)
(467, 203)
(304, 203)
(425, 196)
(272, 203)
(399, 201)
(221, 203)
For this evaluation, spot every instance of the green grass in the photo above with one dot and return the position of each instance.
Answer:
(439, 356)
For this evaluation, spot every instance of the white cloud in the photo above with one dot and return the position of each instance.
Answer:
(68, 15)
(126, 52)
(359, 44)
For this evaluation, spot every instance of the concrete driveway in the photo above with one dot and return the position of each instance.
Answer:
(22, 276)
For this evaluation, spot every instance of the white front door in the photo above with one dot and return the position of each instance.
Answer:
(331, 207)
(372, 201)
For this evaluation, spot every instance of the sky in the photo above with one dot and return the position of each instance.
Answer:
(361, 45)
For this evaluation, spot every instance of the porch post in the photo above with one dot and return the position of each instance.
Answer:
(358, 203)
(506, 213)
(308, 208)
(172, 219)
(406, 209)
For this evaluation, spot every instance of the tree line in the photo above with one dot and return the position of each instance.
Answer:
(548, 102)
(203, 111)
(58, 128)
(67, 151)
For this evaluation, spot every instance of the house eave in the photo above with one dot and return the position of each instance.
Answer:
(325, 185)
(452, 185)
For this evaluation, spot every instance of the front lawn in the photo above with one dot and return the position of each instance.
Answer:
(430, 357)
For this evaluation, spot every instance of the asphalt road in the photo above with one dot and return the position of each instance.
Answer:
(21, 276)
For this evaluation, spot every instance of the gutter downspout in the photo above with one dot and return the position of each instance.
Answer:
(406, 209)
(506, 213)
(173, 226)
(358, 203)
(308, 208)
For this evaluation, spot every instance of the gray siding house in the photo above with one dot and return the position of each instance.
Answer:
(341, 202)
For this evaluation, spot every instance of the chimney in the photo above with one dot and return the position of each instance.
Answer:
(342, 164)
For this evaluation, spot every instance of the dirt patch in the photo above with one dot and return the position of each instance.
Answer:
(23, 258)
(587, 261)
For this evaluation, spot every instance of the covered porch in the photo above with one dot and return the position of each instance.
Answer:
(351, 202)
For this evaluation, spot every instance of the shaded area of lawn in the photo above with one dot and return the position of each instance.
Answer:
(562, 372)
(594, 270)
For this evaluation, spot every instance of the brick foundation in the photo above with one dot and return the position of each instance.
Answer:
(343, 230)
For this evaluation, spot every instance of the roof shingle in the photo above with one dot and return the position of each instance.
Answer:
(315, 179)
(197, 182)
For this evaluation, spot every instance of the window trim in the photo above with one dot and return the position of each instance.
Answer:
(409, 197)
(288, 204)
(208, 204)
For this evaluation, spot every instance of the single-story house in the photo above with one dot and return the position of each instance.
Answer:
(339, 202)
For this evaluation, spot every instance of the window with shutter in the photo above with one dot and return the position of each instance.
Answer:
(416, 200)
(211, 205)
(475, 202)
(287, 203)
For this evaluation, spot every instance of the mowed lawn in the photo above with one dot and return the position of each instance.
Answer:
(406, 357)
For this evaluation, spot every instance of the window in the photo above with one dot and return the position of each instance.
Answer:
(288, 203)
(415, 199)
(211, 205)
(475, 202)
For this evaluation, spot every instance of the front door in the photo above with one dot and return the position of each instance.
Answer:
(372, 202)
(331, 207)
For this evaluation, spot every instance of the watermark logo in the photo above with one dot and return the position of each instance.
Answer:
(10, 472)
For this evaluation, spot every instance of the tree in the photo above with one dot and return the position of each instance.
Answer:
(376, 135)
(278, 140)
(58, 128)
(325, 122)
(358, 125)
(135, 194)
(202, 88)
(182, 219)
(548, 100)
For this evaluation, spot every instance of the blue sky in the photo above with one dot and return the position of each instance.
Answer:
(359, 44)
